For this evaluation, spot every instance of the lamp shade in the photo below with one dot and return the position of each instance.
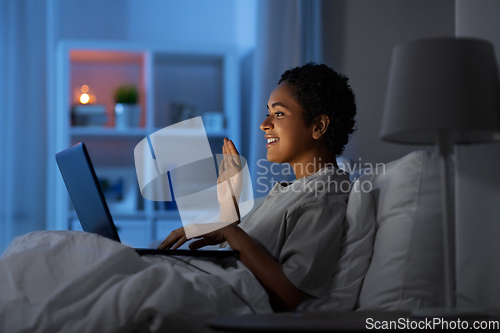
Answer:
(442, 86)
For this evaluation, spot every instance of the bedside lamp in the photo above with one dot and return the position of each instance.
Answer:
(443, 91)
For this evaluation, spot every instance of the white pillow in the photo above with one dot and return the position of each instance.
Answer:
(406, 270)
(354, 257)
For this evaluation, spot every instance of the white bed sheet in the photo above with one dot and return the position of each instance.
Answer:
(67, 281)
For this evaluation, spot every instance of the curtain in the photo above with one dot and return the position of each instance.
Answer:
(288, 35)
(22, 118)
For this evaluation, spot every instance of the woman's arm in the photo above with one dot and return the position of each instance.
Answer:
(283, 295)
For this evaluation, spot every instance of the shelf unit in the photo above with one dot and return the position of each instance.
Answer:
(205, 77)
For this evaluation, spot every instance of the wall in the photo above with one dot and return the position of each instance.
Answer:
(358, 40)
(91, 20)
(173, 22)
(193, 22)
(478, 182)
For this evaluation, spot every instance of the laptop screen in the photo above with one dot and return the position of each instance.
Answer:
(85, 192)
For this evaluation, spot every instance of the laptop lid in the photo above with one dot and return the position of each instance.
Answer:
(85, 192)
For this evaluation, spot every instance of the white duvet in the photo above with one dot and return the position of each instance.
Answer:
(66, 281)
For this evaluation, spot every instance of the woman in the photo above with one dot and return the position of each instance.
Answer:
(292, 240)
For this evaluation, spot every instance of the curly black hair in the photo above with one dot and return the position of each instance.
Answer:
(321, 90)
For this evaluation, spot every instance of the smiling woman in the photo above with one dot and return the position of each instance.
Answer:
(299, 224)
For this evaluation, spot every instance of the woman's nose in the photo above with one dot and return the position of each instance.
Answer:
(266, 124)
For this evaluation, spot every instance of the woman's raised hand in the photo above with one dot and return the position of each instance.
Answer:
(230, 172)
(229, 181)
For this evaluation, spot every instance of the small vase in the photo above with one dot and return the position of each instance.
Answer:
(127, 115)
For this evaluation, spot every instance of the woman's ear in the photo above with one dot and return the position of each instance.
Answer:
(320, 126)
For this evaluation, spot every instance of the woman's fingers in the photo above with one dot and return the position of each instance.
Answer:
(230, 153)
(232, 148)
(225, 155)
(235, 155)
(197, 244)
(231, 162)
(174, 237)
(181, 241)
(221, 167)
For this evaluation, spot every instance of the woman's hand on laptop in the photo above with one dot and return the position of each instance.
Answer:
(174, 240)
(212, 238)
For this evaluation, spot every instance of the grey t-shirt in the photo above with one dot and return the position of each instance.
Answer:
(300, 225)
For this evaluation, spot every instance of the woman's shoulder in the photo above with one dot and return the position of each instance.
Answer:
(327, 181)
(322, 191)
(322, 188)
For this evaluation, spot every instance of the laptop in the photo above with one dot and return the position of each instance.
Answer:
(90, 205)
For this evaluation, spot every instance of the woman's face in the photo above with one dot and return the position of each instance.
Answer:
(289, 140)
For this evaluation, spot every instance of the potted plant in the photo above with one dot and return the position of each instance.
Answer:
(127, 109)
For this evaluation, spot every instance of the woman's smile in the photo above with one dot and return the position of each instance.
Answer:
(271, 140)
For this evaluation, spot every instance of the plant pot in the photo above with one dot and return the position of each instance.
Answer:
(127, 115)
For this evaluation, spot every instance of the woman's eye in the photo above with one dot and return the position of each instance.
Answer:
(278, 114)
